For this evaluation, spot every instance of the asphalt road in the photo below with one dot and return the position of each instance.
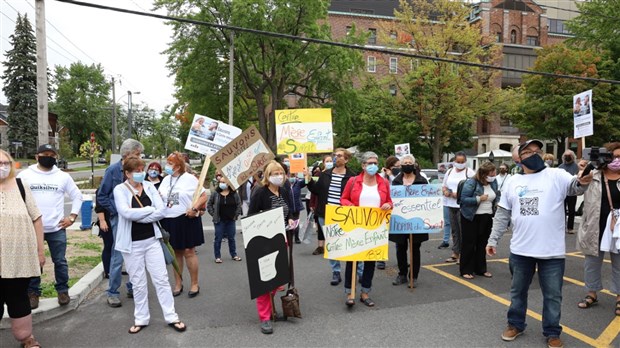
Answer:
(443, 311)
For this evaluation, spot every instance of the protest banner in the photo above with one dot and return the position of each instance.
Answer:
(583, 115)
(417, 209)
(244, 156)
(356, 233)
(304, 131)
(207, 136)
(401, 149)
(264, 240)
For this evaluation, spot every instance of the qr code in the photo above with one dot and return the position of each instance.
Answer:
(529, 206)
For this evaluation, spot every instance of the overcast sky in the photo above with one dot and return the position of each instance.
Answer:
(127, 46)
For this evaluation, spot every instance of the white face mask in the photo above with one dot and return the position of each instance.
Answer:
(277, 180)
(490, 178)
(4, 172)
(460, 166)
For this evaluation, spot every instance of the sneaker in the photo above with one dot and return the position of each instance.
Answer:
(318, 251)
(335, 279)
(400, 280)
(265, 327)
(114, 301)
(380, 264)
(63, 298)
(34, 300)
(443, 245)
(511, 333)
(554, 342)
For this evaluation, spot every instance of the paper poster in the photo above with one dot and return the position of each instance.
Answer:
(207, 136)
(242, 157)
(442, 168)
(304, 131)
(266, 256)
(417, 209)
(582, 114)
(401, 149)
(298, 162)
(356, 233)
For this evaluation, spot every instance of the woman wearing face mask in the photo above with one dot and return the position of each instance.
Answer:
(183, 219)
(409, 175)
(270, 196)
(153, 174)
(225, 207)
(595, 232)
(478, 200)
(368, 189)
(293, 185)
(502, 176)
(139, 207)
(392, 168)
(549, 159)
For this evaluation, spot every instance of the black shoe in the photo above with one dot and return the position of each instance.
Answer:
(124, 273)
(192, 294)
(297, 241)
(335, 279)
(380, 264)
(266, 328)
(443, 245)
(400, 280)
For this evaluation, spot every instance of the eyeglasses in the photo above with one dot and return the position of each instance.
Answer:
(369, 163)
(5, 164)
(528, 153)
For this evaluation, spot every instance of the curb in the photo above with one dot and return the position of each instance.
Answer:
(49, 307)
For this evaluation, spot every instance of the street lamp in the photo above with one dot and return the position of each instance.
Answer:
(129, 117)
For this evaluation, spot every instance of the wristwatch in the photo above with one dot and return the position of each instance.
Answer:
(72, 219)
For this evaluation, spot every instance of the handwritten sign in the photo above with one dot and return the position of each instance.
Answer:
(244, 156)
(417, 209)
(298, 162)
(264, 239)
(356, 233)
(207, 136)
(304, 131)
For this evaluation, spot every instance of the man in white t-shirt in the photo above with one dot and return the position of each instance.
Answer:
(454, 175)
(534, 203)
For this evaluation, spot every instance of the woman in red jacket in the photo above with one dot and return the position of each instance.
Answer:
(368, 189)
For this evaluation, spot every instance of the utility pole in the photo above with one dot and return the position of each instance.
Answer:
(129, 118)
(42, 107)
(231, 76)
(113, 115)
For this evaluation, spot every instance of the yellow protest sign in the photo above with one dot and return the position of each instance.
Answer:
(304, 131)
(356, 233)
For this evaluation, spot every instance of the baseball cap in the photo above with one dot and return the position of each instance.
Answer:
(528, 142)
(47, 147)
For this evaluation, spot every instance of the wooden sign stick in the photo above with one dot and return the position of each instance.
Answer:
(353, 274)
(201, 180)
(411, 261)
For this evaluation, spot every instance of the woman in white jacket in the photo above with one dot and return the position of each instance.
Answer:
(139, 207)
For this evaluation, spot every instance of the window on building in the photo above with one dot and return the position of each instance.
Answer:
(485, 128)
(498, 37)
(557, 26)
(372, 39)
(393, 90)
(532, 41)
(415, 63)
(393, 65)
(393, 35)
(372, 64)
(513, 37)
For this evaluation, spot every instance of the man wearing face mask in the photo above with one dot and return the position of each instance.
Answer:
(49, 185)
(502, 176)
(534, 202)
(569, 164)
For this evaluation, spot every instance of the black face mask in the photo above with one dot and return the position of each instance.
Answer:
(568, 159)
(534, 163)
(395, 171)
(408, 168)
(46, 161)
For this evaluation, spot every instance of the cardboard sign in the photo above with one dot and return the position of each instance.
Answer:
(356, 233)
(207, 136)
(417, 209)
(264, 239)
(298, 162)
(304, 131)
(582, 114)
(244, 156)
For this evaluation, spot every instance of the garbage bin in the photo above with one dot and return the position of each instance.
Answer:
(86, 212)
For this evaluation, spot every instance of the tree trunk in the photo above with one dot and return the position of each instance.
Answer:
(262, 120)
(437, 147)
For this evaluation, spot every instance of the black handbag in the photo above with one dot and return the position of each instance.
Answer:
(290, 300)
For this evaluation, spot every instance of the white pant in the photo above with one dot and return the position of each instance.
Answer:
(245, 207)
(148, 255)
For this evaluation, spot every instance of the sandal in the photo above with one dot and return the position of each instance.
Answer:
(177, 293)
(134, 329)
(350, 302)
(486, 274)
(452, 259)
(590, 301)
(218, 260)
(178, 326)
(30, 342)
(468, 276)
(617, 310)
(367, 301)
(237, 258)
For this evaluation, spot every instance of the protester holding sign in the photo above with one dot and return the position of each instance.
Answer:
(328, 189)
(368, 189)
(408, 176)
(270, 196)
(183, 218)
(478, 201)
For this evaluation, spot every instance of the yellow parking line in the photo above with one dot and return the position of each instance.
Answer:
(582, 256)
(578, 335)
(609, 334)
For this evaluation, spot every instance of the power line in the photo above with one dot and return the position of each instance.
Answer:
(339, 44)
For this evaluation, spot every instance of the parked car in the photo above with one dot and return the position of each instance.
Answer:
(62, 163)
(102, 160)
(432, 175)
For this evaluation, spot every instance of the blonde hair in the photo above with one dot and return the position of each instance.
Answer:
(548, 156)
(11, 166)
(270, 167)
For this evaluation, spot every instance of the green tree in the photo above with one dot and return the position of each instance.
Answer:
(266, 69)
(162, 138)
(597, 26)
(82, 102)
(444, 99)
(20, 85)
(548, 101)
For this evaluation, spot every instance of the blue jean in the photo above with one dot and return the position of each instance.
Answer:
(335, 264)
(366, 276)
(226, 229)
(550, 277)
(57, 242)
(116, 264)
(446, 225)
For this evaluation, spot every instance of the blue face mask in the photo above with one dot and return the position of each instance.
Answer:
(223, 186)
(372, 169)
(138, 177)
(329, 165)
(287, 163)
(291, 180)
(168, 169)
(153, 173)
